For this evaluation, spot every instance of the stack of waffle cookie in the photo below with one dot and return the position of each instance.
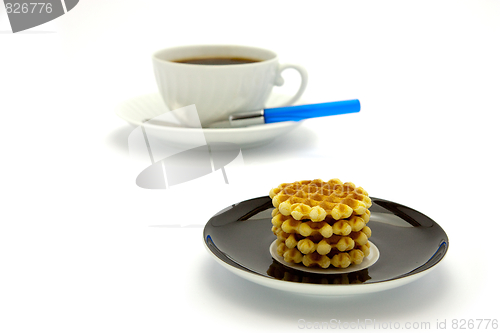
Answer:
(321, 223)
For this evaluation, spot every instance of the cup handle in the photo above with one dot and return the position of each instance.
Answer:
(280, 81)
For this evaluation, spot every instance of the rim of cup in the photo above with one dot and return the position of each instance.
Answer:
(172, 55)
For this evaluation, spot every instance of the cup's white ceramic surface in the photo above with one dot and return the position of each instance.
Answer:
(219, 90)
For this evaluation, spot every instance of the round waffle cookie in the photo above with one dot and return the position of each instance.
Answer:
(316, 199)
(340, 259)
(323, 245)
(326, 228)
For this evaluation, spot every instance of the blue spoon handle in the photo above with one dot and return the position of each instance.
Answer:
(300, 112)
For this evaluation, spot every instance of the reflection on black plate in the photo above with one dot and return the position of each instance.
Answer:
(409, 242)
(282, 272)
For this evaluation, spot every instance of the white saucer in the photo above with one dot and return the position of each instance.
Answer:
(136, 110)
(367, 262)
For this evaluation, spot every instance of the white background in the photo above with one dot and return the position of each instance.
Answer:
(83, 249)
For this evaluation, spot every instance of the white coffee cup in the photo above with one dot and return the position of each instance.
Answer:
(218, 91)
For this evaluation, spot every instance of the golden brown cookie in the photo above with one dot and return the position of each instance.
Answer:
(316, 199)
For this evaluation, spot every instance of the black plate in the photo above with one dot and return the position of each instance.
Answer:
(409, 243)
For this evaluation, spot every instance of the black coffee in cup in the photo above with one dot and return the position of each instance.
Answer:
(217, 61)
